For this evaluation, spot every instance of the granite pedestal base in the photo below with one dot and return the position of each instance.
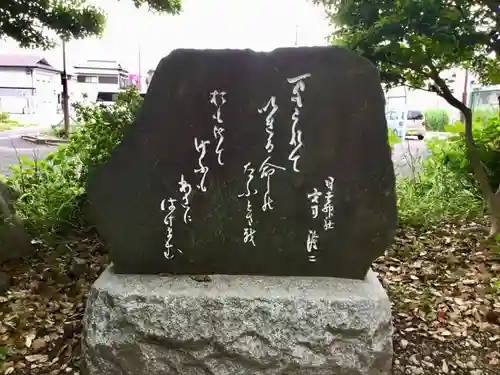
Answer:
(236, 325)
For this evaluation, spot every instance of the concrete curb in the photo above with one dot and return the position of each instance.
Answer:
(43, 140)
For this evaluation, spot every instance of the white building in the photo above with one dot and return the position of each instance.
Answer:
(93, 76)
(28, 85)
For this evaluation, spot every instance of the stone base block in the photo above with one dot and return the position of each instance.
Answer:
(236, 325)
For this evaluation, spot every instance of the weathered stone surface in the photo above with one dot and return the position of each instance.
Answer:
(236, 325)
(343, 132)
(15, 243)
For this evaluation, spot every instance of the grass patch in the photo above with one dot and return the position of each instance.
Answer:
(9, 125)
(58, 131)
(6, 123)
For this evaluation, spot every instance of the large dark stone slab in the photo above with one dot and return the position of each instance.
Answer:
(330, 209)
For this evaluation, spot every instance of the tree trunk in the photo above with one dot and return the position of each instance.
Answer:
(495, 218)
(492, 199)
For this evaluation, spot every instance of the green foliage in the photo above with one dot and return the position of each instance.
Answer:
(103, 129)
(6, 122)
(4, 353)
(453, 153)
(392, 139)
(437, 119)
(53, 190)
(50, 191)
(412, 42)
(436, 195)
(27, 21)
(446, 188)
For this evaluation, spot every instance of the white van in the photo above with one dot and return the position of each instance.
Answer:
(406, 122)
(106, 98)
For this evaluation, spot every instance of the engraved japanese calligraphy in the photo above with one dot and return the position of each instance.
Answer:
(254, 163)
(267, 168)
(217, 99)
(296, 140)
(169, 251)
(328, 210)
(201, 147)
(249, 231)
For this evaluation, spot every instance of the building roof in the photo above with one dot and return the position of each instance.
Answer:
(25, 61)
(101, 64)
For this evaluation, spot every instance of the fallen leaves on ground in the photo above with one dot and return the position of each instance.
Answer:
(446, 309)
(40, 316)
(443, 285)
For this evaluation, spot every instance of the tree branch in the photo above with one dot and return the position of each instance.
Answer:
(474, 158)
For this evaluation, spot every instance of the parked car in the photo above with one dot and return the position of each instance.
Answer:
(106, 97)
(407, 122)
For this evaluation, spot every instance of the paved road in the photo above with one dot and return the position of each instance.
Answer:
(407, 155)
(12, 147)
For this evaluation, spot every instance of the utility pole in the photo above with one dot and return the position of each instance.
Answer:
(64, 81)
(296, 35)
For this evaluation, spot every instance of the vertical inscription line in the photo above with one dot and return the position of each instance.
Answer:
(168, 221)
(296, 138)
(249, 231)
(328, 208)
(267, 169)
(186, 188)
(312, 242)
(201, 147)
(217, 99)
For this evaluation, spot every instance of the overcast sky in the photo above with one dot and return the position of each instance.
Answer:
(257, 24)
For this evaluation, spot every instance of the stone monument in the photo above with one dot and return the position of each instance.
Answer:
(243, 210)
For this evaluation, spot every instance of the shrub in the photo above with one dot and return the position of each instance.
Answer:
(437, 194)
(437, 119)
(102, 130)
(50, 192)
(392, 139)
(4, 117)
(446, 188)
(53, 190)
(453, 153)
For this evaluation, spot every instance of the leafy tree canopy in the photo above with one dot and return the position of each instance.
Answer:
(413, 41)
(27, 21)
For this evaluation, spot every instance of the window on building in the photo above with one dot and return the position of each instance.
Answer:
(7, 91)
(104, 96)
(87, 79)
(108, 79)
(486, 100)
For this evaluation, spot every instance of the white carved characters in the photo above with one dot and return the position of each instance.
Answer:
(201, 147)
(328, 210)
(169, 252)
(267, 169)
(249, 231)
(217, 99)
(185, 187)
(296, 139)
